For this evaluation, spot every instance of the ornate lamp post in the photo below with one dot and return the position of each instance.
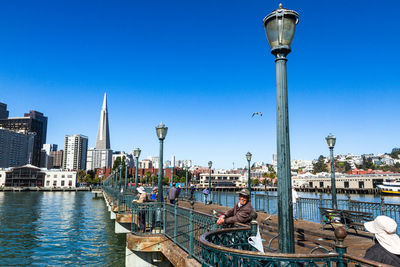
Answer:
(186, 180)
(136, 154)
(161, 131)
(248, 157)
(209, 182)
(120, 177)
(126, 173)
(280, 27)
(331, 141)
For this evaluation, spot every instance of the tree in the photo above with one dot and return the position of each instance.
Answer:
(81, 176)
(320, 165)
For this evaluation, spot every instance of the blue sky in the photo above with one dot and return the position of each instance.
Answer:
(203, 68)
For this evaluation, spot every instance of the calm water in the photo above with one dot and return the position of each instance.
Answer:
(57, 229)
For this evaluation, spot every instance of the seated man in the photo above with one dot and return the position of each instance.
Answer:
(241, 212)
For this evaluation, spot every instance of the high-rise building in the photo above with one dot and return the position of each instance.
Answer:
(75, 152)
(101, 155)
(50, 148)
(57, 158)
(173, 162)
(33, 122)
(3, 111)
(15, 148)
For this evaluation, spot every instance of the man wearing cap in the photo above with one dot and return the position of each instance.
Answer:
(387, 242)
(142, 213)
(240, 213)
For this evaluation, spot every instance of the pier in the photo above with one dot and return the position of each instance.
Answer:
(185, 234)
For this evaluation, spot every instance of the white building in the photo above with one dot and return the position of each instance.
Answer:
(99, 158)
(122, 154)
(155, 161)
(75, 152)
(59, 178)
(2, 177)
(221, 179)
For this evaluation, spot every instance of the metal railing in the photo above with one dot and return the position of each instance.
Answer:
(230, 247)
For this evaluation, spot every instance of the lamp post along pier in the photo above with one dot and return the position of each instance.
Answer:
(136, 154)
(161, 131)
(331, 141)
(280, 26)
(209, 182)
(248, 157)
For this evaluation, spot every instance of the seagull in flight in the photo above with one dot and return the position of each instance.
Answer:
(256, 113)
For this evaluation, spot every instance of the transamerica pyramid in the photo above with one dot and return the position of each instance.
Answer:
(103, 134)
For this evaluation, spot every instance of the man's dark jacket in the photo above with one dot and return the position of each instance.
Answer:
(380, 254)
(240, 215)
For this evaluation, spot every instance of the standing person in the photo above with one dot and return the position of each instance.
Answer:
(387, 242)
(295, 196)
(205, 193)
(192, 189)
(178, 191)
(241, 212)
(141, 213)
(172, 193)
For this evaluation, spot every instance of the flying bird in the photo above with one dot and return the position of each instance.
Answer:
(256, 113)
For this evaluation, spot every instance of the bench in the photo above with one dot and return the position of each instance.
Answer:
(346, 218)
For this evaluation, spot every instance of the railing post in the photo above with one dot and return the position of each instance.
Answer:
(175, 223)
(219, 198)
(320, 206)
(382, 205)
(255, 201)
(341, 249)
(267, 195)
(214, 226)
(191, 235)
(299, 208)
(349, 202)
(165, 216)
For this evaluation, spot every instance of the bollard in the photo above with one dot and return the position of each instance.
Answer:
(191, 235)
(340, 234)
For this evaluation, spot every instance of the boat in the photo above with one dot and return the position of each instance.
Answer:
(390, 186)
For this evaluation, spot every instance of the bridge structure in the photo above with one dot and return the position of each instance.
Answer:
(162, 234)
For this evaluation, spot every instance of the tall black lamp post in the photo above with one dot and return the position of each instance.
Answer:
(136, 154)
(280, 26)
(161, 131)
(331, 141)
(248, 157)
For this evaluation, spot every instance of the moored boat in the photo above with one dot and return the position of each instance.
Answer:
(390, 186)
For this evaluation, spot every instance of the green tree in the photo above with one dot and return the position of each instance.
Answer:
(320, 165)
(81, 176)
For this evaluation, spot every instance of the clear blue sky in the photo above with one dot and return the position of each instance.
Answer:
(203, 68)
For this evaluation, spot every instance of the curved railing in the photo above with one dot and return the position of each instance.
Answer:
(230, 247)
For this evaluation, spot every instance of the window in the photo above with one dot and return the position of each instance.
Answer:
(55, 175)
(69, 176)
(47, 183)
(321, 184)
(62, 183)
(63, 176)
(346, 184)
(70, 183)
(54, 183)
(360, 184)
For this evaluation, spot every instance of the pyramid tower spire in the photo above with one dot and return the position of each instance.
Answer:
(103, 134)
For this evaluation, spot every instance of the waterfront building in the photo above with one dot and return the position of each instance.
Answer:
(2, 177)
(16, 149)
(145, 164)
(24, 176)
(60, 178)
(57, 158)
(221, 179)
(33, 122)
(101, 155)
(75, 152)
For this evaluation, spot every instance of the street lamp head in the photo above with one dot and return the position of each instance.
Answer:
(248, 156)
(331, 140)
(280, 26)
(161, 131)
(136, 152)
(210, 164)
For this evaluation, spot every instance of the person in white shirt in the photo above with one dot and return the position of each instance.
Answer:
(294, 201)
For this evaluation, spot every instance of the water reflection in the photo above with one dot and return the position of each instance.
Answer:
(57, 228)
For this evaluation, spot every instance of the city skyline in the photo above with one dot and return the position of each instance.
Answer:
(203, 78)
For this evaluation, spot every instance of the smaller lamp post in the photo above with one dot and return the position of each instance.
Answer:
(161, 131)
(209, 182)
(331, 141)
(248, 157)
(186, 180)
(120, 177)
(136, 154)
(126, 174)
